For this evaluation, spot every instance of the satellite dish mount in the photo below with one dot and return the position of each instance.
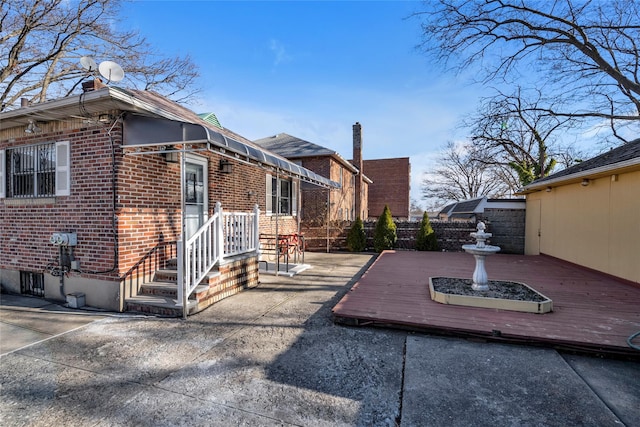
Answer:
(111, 71)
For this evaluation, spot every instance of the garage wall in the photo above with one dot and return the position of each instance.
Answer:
(596, 226)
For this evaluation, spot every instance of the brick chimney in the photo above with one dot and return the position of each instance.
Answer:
(357, 162)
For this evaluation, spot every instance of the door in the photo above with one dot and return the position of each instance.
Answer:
(195, 194)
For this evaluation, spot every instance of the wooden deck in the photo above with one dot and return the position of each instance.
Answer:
(592, 312)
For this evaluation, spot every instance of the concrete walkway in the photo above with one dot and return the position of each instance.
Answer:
(272, 356)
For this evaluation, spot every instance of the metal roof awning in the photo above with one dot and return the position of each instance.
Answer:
(149, 131)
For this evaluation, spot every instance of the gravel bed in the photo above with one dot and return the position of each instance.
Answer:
(500, 289)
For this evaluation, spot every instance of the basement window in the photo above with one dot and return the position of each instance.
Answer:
(32, 283)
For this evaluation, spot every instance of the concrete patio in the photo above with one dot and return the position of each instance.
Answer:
(273, 356)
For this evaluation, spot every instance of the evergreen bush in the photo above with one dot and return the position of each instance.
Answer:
(357, 238)
(426, 239)
(384, 236)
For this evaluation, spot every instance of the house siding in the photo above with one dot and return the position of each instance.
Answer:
(595, 226)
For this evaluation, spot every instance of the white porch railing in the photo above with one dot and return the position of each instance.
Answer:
(223, 235)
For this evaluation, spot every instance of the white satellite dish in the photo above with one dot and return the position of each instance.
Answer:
(111, 71)
(88, 63)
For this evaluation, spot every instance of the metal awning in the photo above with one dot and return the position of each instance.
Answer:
(143, 131)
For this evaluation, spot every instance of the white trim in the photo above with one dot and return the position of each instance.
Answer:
(63, 169)
(269, 190)
(204, 162)
(294, 197)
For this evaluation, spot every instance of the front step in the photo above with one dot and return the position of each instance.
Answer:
(159, 305)
(160, 297)
(167, 289)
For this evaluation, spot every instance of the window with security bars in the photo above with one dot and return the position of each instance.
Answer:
(32, 283)
(31, 171)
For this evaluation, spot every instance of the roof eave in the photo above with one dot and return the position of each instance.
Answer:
(95, 101)
(619, 167)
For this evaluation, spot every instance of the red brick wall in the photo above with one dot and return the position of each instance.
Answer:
(27, 224)
(391, 184)
(148, 204)
(314, 205)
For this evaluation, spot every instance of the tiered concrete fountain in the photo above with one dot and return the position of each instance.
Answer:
(496, 294)
(480, 251)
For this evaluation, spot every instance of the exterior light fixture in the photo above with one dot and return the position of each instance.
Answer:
(170, 155)
(32, 127)
(584, 182)
(548, 189)
(226, 166)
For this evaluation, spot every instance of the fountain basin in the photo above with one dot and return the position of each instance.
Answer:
(500, 296)
(485, 250)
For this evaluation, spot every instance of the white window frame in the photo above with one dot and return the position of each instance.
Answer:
(271, 193)
(62, 173)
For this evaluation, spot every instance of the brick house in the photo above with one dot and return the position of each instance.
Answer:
(103, 194)
(377, 182)
(391, 186)
(327, 163)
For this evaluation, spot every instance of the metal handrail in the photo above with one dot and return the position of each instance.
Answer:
(154, 259)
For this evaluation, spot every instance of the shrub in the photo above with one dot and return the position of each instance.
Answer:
(357, 238)
(426, 239)
(384, 236)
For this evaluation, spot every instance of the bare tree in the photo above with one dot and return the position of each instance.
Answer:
(587, 52)
(462, 174)
(514, 132)
(415, 210)
(43, 40)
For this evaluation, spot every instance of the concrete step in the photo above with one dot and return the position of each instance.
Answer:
(166, 275)
(167, 289)
(158, 305)
(160, 296)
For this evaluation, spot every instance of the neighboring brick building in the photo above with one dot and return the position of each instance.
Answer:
(372, 184)
(326, 163)
(391, 186)
(119, 170)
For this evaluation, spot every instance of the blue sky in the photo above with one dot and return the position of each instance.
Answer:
(312, 69)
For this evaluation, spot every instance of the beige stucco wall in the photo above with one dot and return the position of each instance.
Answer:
(596, 226)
